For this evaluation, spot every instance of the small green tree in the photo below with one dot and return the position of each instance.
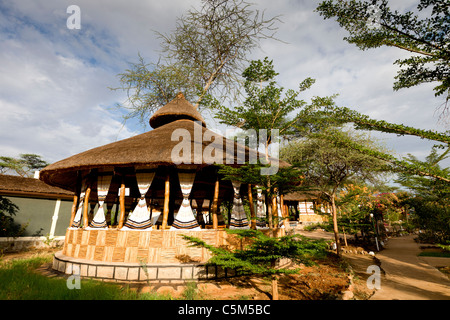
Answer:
(261, 256)
(269, 113)
(266, 106)
(329, 165)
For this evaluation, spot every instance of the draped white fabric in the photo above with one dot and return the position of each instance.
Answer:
(99, 220)
(205, 211)
(260, 210)
(238, 217)
(185, 219)
(140, 217)
(76, 223)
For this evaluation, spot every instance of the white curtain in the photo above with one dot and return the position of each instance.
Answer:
(238, 217)
(205, 211)
(99, 221)
(260, 210)
(76, 223)
(140, 217)
(185, 218)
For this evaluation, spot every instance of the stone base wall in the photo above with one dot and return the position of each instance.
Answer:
(312, 218)
(148, 247)
(137, 272)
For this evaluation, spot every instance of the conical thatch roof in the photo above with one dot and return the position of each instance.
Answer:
(177, 109)
(154, 147)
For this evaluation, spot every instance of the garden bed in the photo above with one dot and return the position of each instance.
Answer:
(325, 281)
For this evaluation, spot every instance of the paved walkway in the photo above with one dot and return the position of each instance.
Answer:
(407, 276)
(404, 275)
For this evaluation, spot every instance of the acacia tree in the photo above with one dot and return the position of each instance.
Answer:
(267, 109)
(333, 115)
(328, 165)
(24, 166)
(430, 197)
(373, 24)
(203, 57)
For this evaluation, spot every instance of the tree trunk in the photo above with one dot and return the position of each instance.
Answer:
(275, 221)
(335, 225)
(274, 283)
(345, 237)
(252, 208)
(274, 288)
(269, 212)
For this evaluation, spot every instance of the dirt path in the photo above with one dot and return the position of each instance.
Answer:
(407, 276)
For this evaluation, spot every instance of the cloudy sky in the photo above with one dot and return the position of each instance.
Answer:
(55, 99)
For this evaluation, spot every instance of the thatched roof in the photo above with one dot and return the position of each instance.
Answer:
(301, 196)
(21, 186)
(152, 148)
(177, 109)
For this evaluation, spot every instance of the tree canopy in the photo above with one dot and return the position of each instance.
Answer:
(424, 33)
(203, 56)
(24, 166)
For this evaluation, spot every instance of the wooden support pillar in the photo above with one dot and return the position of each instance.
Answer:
(252, 208)
(166, 202)
(86, 208)
(75, 199)
(122, 203)
(215, 204)
(74, 209)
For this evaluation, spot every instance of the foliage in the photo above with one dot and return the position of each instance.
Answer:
(8, 228)
(264, 106)
(373, 24)
(24, 166)
(261, 255)
(430, 200)
(203, 57)
(285, 180)
(362, 206)
(19, 281)
(334, 115)
(265, 115)
(150, 86)
(328, 163)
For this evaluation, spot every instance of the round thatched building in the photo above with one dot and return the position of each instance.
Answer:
(133, 198)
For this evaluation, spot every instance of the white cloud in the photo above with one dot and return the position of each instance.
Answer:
(54, 96)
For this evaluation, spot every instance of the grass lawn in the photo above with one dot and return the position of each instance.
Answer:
(20, 281)
(441, 254)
